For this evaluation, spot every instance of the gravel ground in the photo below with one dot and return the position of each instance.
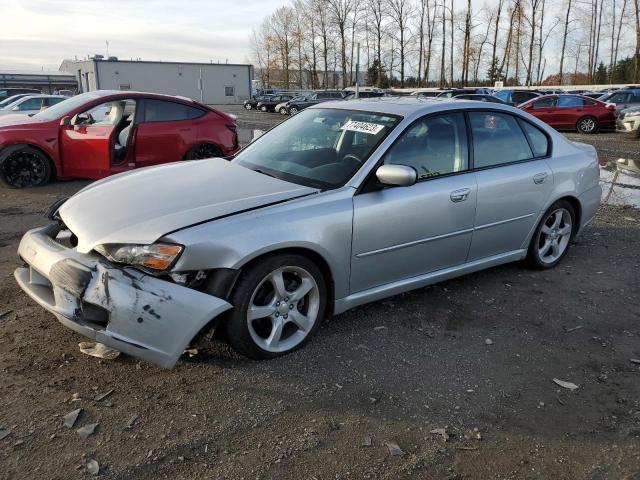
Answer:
(475, 356)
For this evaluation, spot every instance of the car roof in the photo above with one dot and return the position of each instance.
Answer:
(406, 106)
(134, 93)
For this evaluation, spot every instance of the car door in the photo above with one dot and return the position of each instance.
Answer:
(544, 109)
(400, 232)
(569, 109)
(514, 181)
(86, 144)
(165, 133)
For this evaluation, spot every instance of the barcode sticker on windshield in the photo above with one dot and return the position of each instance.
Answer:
(363, 127)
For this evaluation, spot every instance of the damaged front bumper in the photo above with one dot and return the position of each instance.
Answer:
(123, 308)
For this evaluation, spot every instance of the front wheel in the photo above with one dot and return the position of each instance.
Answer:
(247, 106)
(587, 125)
(24, 167)
(283, 111)
(551, 239)
(293, 110)
(263, 108)
(278, 304)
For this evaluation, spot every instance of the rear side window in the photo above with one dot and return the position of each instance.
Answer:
(433, 146)
(547, 102)
(31, 104)
(538, 140)
(162, 111)
(497, 139)
(570, 102)
(521, 97)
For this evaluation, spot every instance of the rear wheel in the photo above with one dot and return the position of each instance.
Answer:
(263, 108)
(551, 239)
(247, 106)
(283, 110)
(24, 167)
(278, 304)
(293, 110)
(587, 125)
(202, 151)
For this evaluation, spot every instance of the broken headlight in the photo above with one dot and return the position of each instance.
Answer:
(157, 256)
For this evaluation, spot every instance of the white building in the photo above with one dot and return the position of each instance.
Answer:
(211, 83)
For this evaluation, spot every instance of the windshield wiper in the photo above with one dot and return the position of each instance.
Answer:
(263, 172)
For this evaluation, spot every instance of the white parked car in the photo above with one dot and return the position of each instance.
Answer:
(31, 104)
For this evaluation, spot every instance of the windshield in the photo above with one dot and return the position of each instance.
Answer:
(320, 148)
(66, 106)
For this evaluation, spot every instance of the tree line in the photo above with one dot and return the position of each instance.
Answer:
(439, 43)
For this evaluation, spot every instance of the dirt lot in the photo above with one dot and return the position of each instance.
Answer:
(475, 356)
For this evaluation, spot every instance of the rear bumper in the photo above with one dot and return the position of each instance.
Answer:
(123, 308)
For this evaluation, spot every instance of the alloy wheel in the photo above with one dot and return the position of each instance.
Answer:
(24, 169)
(247, 106)
(587, 125)
(554, 235)
(283, 309)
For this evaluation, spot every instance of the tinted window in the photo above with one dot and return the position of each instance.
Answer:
(538, 140)
(31, 104)
(570, 102)
(497, 139)
(619, 98)
(161, 111)
(433, 146)
(548, 102)
(521, 97)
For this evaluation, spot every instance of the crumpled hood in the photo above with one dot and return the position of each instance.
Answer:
(143, 205)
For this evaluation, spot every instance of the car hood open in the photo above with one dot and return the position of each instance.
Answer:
(141, 206)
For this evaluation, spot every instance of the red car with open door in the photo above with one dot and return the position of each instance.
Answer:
(97, 134)
(572, 112)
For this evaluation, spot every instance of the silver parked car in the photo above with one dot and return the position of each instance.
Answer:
(31, 104)
(343, 204)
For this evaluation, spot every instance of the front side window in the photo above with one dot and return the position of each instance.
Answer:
(322, 148)
(570, 102)
(433, 146)
(547, 102)
(163, 111)
(619, 98)
(497, 139)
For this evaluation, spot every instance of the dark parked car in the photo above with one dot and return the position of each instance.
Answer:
(8, 92)
(300, 103)
(253, 102)
(426, 93)
(269, 104)
(572, 112)
(591, 94)
(479, 98)
(516, 97)
(454, 92)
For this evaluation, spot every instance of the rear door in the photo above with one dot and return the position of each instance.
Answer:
(401, 232)
(569, 109)
(514, 181)
(165, 132)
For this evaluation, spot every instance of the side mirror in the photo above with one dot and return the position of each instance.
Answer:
(397, 175)
(65, 121)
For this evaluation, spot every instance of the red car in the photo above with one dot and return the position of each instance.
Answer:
(572, 112)
(100, 133)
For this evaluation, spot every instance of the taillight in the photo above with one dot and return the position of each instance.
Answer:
(610, 106)
(233, 127)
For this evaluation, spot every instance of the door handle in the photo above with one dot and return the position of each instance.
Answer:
(539, 178)
(460, 195)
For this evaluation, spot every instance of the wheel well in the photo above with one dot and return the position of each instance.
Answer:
(577, 210)
(18, 146)
(186, 154)
(311, 255)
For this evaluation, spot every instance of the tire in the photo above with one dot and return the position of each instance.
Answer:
(293, 110)
(587, 125)
(24, 167)
(247, 106)
(274, 330)
(283, 111)
(263, 108)
(557, 227)
(203, 151)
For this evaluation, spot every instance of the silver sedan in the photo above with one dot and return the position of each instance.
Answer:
(343, 204)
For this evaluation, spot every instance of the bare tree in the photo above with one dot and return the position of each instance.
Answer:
(400, 11)
(443, 53)
(339, 11)
(494, 59)
(466, 44)
(636, 64)
(378, 9)
(564, 39)
(615, 49)
(481, 48)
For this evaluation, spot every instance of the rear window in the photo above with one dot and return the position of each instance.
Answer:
(163, 111)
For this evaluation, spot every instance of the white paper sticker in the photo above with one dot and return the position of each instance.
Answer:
(363, 127)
